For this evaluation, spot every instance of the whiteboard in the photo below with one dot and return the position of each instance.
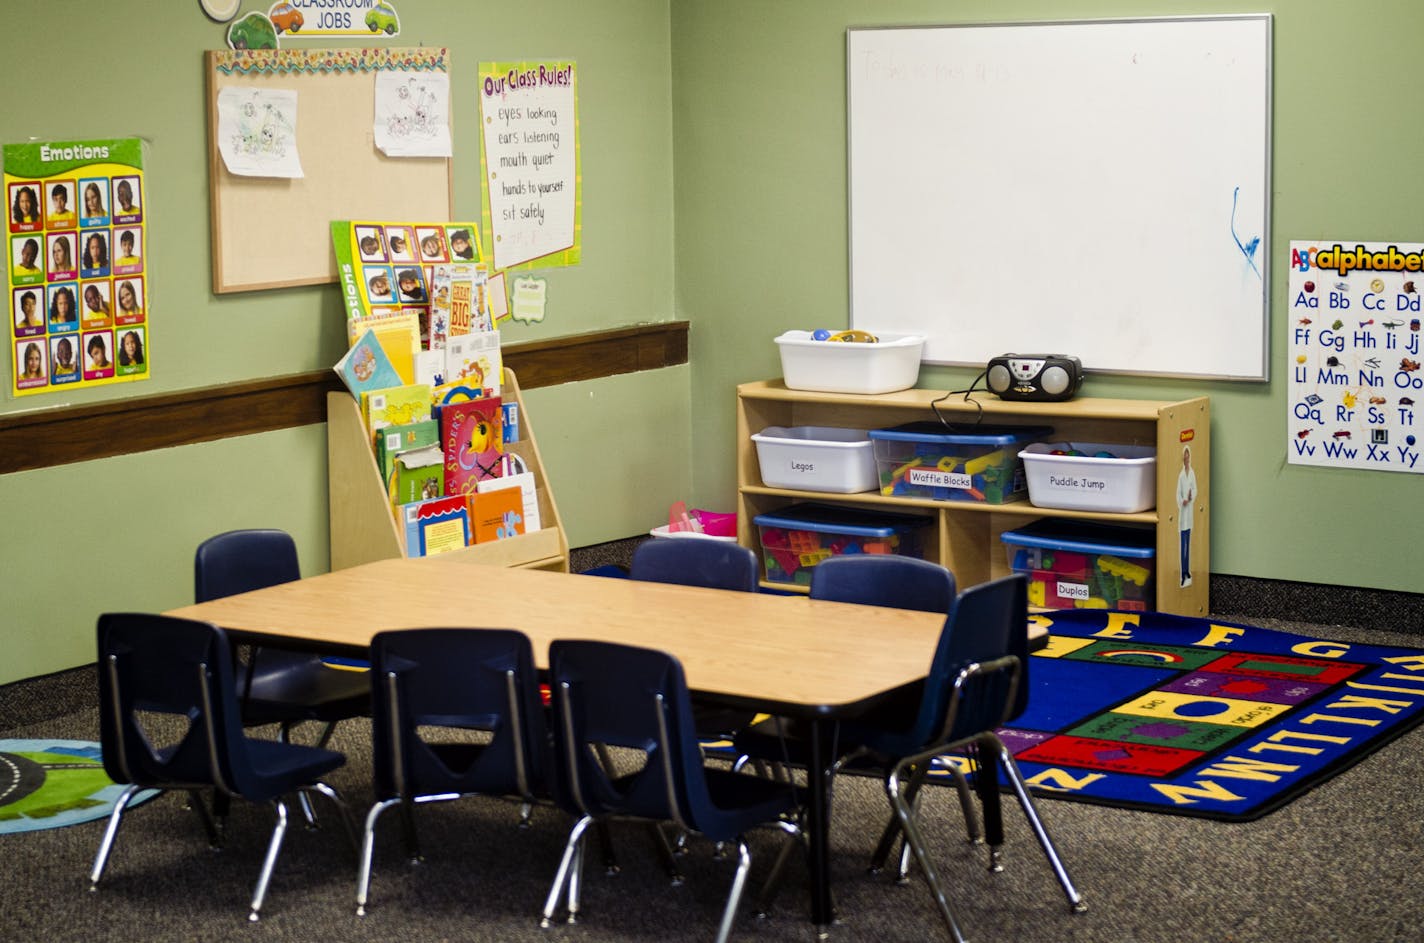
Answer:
(1098, 189)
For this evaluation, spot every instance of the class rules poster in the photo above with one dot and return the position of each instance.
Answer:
(76, 274)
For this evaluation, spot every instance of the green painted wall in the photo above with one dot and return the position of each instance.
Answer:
(120, 533)
(759, 143)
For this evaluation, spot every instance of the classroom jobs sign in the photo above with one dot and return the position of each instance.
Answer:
(1354, 355)
(529, 120)
(76, 275)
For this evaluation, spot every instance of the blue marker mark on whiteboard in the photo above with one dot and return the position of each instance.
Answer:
(1248, 249)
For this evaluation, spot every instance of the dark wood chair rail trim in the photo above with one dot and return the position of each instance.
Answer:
(48, 437)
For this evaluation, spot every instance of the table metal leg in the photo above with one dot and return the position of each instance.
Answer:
(818, 828)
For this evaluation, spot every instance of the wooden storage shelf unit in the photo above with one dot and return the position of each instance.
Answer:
(964, 535)
(363, 525)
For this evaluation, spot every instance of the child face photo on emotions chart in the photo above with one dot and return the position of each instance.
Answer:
(401, 243)
(432, 245)
(378, 284)
(370, 243)
(94, 197)
(27, 253)
(59, 202)
(127, 196)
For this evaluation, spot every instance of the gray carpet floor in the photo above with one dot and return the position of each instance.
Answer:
(1341, 863)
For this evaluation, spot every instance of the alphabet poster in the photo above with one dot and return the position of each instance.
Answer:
(533, 203)
(77, 279)
(1353, 350)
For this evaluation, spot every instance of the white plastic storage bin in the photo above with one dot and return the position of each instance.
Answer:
(1121, 479)
(890, 364)
(816, 458)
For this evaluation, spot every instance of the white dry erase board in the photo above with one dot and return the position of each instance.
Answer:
(1097, 188)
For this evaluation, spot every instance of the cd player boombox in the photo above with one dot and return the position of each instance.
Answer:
(1038, 377)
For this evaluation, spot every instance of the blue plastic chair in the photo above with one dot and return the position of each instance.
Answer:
(623, 698)
(884, 579)
(870, 580)
(169, 719)
(701, 561)
(696, 561)
(976, 683)
(428, 682)
(276, 685)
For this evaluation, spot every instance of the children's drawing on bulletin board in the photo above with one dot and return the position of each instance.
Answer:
(533, 195)
(76, 273)
(412, 116)
(1353, 342)
(257, 132)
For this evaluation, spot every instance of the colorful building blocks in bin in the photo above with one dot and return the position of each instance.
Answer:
(796, 539)
(953, 463)
(1082, 564)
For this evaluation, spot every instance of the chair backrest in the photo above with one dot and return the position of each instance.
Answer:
(475, 680)
(696, 561)
(987, 622)
(884, 579)
(167, 709)
(240, 561)
(630, 699)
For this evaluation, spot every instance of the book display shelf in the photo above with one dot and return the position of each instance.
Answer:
(965, 535)
(363, 525)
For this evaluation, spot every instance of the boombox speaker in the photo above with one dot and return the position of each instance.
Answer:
(1034, 377)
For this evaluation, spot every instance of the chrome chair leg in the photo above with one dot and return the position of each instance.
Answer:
(729, 913)
(107, 844)
(1016, 780)
(906, 814)
(343, 811)
(273, 847)
(368, 848)
(772, 886)
(575, 899)
(551, 903)
(284, 735)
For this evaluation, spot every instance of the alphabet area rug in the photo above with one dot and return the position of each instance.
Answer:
(1193, 717)
(50, 783)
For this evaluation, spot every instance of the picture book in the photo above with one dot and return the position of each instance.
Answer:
(399, 337)
(474, 360)
(366, 367)
(472, 440)
(495, 515)
(416, 475)
(511, 423)
(461, 291)
(355, 327)
(430, 367)
(396, 406)
(435, 526)
(529, 498)
(393, 440)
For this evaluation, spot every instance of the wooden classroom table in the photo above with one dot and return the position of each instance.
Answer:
(807, 658)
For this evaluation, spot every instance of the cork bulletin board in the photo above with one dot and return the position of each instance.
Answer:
(271, 232)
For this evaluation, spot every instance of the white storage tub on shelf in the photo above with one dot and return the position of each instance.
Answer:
(890, 364)
(1120, 479)
(816, 458)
